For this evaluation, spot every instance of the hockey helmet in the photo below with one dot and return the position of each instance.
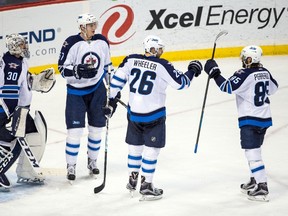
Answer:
(17, 45)
(85, 19)
(152, 41)
(253, 52)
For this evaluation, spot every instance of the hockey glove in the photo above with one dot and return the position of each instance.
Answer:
(111, 108)
(211, 68)
(42, 82)
(84, 71)
(196, 67)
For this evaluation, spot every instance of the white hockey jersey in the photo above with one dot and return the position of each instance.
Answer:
(252, 87)
(76, 50)
(148, 78)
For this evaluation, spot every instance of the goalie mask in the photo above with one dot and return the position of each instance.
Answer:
(17, 45)
(85, 19)
(151, 42)
(251, 55)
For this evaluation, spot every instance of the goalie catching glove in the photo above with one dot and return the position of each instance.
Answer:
(111, 108)
(42, 82)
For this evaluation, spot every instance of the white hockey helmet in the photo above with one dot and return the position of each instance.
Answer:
(253, 52)
(14, 42)
(84, 19)
(152, 41)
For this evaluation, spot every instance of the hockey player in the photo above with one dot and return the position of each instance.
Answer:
(253, 84)
(16, 84)
(148, 76)
(83, 62)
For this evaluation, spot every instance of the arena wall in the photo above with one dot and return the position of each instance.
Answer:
(188, 28)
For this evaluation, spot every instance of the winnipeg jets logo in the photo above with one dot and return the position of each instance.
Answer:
(91, 58)
(13, 65)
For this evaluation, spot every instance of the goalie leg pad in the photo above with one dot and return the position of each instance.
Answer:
(19, 121)
(37, 144)
(8, 155)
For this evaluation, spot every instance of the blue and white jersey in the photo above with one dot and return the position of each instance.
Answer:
(14, 89)
(148, 78)
(76, 50)
(252, 87)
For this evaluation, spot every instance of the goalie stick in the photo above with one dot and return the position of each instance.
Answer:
(24, 145)
(224, 32)
(101, 187)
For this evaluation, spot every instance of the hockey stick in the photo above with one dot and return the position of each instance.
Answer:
(24, 145)
(206, 91)
(101, 187)
(122, 103)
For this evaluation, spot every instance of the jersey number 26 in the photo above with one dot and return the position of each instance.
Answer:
(145, 85)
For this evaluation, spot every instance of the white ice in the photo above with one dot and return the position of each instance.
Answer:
(206, 183)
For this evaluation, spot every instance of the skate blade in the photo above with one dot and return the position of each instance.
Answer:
(92, 175)
(4, 189)
(131, 192)
(259, 198)
(149, 198)
(71, 182)
(245, 191)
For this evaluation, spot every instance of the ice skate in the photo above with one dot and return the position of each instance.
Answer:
(132, 184)
(259, 193)
(149, 192)
(71, 173)
(93, 170)
(249, 186)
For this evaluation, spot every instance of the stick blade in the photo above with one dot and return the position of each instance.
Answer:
(224, 32)
(196, 147)
(99, 188)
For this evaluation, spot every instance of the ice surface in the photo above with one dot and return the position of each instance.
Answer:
(206, 183)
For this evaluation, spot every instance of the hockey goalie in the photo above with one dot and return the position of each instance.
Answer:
(21, 135)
